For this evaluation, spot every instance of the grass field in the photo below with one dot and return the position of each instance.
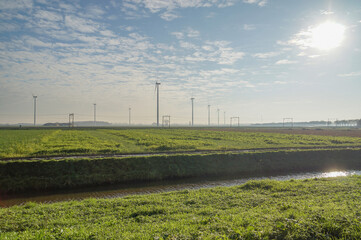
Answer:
(45, 142)
(302, 209)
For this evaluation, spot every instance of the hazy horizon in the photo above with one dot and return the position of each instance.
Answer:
(260, 60)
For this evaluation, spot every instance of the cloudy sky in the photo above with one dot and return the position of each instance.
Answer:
(261, 60)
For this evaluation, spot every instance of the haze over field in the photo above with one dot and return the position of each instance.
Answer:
(261, 60)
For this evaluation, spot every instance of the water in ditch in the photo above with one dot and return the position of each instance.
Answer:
(122, 190)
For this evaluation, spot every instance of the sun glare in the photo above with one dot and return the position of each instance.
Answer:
(327, 35)
(335, 174)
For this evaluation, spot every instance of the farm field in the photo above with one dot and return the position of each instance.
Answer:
(296, 209)
(326, 131)
(53, 142)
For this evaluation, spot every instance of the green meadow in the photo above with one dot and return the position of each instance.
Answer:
(303, 209)
(51, 142)
(297, 209)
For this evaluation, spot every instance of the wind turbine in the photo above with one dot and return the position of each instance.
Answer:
(130, 109)
(95, 111)
(192, 99)
(209, 115)
(35, 97)
(157, 89)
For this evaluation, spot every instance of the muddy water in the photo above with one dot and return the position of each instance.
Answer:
(155, 187)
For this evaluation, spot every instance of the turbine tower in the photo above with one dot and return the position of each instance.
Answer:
(34, 97)
(192, 99)
(130, 110)
(157, 88)
(224, 117)
(218, 116)
(209, 115)
(95, 111)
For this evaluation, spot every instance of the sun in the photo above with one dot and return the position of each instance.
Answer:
(327, 35)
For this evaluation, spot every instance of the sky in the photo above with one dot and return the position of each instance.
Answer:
(259, 60)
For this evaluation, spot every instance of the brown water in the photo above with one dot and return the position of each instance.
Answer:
(154, 187)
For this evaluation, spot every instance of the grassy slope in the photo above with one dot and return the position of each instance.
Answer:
(26, 175)
(40, 142)
(308, 209)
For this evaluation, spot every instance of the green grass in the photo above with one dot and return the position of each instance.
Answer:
(29, 175)
(42, 142)
(307, 209)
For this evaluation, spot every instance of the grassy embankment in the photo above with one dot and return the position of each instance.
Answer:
(45, 142)
(22, 175)
(307, 209)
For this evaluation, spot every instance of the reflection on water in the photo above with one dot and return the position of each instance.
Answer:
(335, 174)
(156, 187)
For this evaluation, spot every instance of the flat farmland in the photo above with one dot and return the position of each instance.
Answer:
(83, 141)
(335, 132)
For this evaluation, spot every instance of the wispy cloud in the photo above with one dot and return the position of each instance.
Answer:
(285, 61)
(314, 56)
(192, 33)
(48, 15)
(169, 15)
(166, 9)
(260, 3)
(107, 33)
(326, 12)
(95, 11)
(211, 15)
(34, 42)
(266, 54)
(229, 56)
(207, 48)
(222, 71)
(189, 32)
(249, 27)
(263, 3)
(351, 74)
(15, 4)
(9, 27)
(280, 82)
(247, 84)
(69, 8)
(188, 45)
(80, 24)
(178, 35)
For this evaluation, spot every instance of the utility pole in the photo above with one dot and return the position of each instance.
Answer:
(157, 87)
(218, 116)
(34, 97)
(95, 111)
(209, 115)
(192, 99)
(130, 109)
